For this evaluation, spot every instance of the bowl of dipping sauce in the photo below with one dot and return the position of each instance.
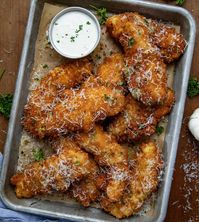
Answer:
(74, 32)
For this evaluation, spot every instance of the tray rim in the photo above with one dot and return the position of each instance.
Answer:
(174, 144)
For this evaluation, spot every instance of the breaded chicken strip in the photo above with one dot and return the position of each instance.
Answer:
(56, 173)
(86, 190)
(137, 121)
(171, 43)
(145, 70)
(43, 99)
(112, 157)
(78, 109)
(144, 181)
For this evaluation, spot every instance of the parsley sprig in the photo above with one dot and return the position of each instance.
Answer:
(193, 87)
(180, 2)
(6, 104)
(102, 13)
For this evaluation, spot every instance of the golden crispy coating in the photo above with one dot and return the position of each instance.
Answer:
(86, 190)
(148, 83)
(49, 114)
(137, 121)
(145, 71)
(144, 181)
(110, 72)
(80, 109)
(112, 157)
(166, 107)
(171, 43)
(56, 173)
(68, 75)
(43, 99)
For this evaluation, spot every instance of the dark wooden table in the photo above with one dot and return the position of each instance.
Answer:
(184, 198)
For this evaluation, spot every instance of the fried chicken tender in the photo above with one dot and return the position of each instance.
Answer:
(145, 71)
(78, 109)
(137, 121)
(84, 191)
(56, 173)
(112, 157)
(171, 43)
(43, 99)
(144, 181)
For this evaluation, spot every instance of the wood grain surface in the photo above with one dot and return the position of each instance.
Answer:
(184, 198)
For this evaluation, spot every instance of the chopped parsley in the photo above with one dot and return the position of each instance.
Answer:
(120, 83)
(159, 130)
(80, 28)
(72, 38)
(146, 22)
(180, 2)
(2, 72)
(56, 23)
(77, 163)
(58, 41)
(109, 100)
(45, 66)
(193, 87)
(131, 42)
(98, 57)
(102, 13)
(38, 154)
(88, 23)
(6, 104)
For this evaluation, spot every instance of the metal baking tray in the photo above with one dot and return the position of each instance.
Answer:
(176, 15)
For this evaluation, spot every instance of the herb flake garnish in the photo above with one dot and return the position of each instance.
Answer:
(80, 28)
(88, 23)
(72, 38)
(109, 100)
(131, 42)
(180, 2)
(159, 130)
(38, 154)
(102, 13)
(146, 22)
(193, 87)
(45, 66)
(120, 83)
(77, 163)
(2, 72)
(6, 104)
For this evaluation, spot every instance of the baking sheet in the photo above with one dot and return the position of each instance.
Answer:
(46, 56)
(74, 212)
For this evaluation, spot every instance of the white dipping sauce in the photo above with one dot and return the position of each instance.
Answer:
(75, 34)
